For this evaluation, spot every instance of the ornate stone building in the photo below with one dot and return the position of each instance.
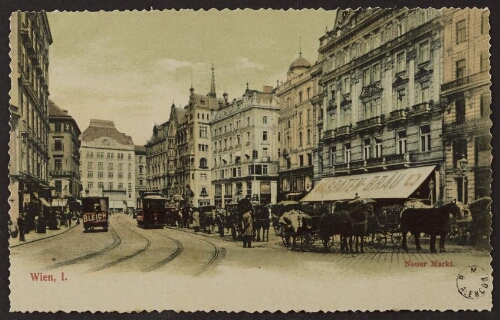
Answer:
(380, 106)
(466, 96)
(140, 170)
(64, 163)
(245, 148)
(297, 129)
(156, 158)
(108, 164)
(30, 39)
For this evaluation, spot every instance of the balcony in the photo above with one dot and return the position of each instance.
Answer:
(60, 173)
(342, 166)
(421, 109)
(464, 81)
(329, 134)
(478, 125)
(369, 124)
(374, 161)
(343, 131)
(395, 158)
(419, 157)
(397, 116)
(357, 164)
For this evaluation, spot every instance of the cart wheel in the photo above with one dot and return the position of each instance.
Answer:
(379, 240)
(454, 235)
(86, 230)
(396, 238)
(307, 241)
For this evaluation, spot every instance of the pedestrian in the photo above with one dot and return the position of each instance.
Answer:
(20, 225)
(245, 207)
(36, 224)
(220, 224)
(196, 220)
(70, 218)
(13, 230)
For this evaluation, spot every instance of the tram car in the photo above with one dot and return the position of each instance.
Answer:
(151, 210)
(95, 213)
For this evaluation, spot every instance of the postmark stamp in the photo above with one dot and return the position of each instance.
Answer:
(473, 282)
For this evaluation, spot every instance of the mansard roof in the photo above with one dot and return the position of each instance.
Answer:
(104, 128)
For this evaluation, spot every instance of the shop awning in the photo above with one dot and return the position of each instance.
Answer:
(44, 202)
(59, 202)
(376, 185)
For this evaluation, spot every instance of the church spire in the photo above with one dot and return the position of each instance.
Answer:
(212, 84)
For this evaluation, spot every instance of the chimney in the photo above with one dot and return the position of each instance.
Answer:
(267, 89)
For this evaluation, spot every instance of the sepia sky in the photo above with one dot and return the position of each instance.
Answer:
(130, 66)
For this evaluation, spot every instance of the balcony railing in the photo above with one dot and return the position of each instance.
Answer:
(343, 131)
(425, 156)
(60, 173)
(329, 134)
(342, 166)
(464, 81)
(397, 115)
(421, 109)
(477, 124)
(395, 158)
(369, 123)
(357, 164)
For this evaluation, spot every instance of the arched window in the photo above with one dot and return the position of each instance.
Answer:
(203, 163)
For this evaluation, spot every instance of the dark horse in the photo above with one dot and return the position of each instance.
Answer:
(262, 222)
(349, 220)
(432, 221)
(481, 219)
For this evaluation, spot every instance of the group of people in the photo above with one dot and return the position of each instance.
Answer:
(53, 221)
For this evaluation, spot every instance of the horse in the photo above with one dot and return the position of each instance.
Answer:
(186, 215)
(292, 224)
(262, 222)
(481, 219)
(335, 223)
(432, 221)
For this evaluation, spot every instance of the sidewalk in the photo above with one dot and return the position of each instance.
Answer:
(33, 237)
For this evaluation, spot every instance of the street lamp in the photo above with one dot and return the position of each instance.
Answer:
(462, 166)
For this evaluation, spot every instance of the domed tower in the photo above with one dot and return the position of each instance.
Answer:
(298, 66)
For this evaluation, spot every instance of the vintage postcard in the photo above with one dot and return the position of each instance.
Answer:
(250, 160)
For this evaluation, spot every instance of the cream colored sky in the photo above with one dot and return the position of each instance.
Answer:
(130, 66)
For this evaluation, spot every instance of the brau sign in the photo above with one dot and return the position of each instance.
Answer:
(387, 184)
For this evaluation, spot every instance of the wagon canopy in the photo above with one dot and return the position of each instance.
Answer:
(375, 185)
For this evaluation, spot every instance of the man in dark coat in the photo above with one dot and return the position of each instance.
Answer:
(20, 225)
(245, 207)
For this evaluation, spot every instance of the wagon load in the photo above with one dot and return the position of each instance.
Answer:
(292, 219)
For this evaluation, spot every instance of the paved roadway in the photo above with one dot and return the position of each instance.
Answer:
(210, 267)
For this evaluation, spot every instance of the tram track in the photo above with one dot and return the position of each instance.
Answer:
(171, 257)
(127, 257)
(116, 242)
(214, 256)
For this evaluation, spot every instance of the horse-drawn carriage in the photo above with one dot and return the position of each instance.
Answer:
(261, 221)
(473, 228)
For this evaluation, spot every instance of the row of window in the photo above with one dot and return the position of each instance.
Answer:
(111, 166)
(253, 169)
(100, 175)
(110, 185)
(109, 155)
(229, 128)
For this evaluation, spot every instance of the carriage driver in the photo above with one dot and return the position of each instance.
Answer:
(245, 207)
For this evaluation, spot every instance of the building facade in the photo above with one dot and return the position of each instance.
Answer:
(380, 110)
(140, 170)
(108, 164)
(30, 39)
(245, 148)
(64, 163)
(297, 128)
(466, 96)
(156, 158)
